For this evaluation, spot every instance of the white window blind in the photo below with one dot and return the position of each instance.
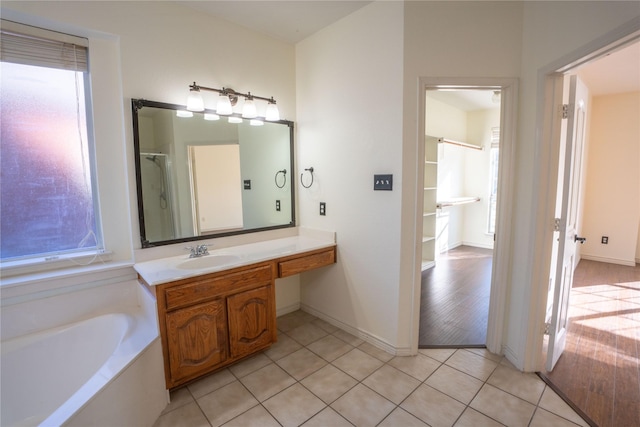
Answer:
(23, 44)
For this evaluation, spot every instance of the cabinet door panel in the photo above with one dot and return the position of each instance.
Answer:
(251, 320)
(197, 338)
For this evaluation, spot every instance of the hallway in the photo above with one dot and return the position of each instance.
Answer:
(599, 369)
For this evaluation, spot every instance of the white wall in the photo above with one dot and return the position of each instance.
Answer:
(612, 203)
(349, 88)
(477, 176)
(154, 50)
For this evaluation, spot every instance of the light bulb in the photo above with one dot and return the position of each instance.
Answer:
(184, 113)
(195, 101)
(249, 109)
(224, 105)
(234, 119)
(272, 114)
(210, 116)
(256, 122)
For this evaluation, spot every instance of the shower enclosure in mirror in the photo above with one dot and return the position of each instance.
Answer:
(199, 178)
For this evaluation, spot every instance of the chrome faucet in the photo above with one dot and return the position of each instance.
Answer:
(198, 250)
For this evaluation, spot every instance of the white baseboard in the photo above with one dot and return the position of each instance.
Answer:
(627, 262)
(288, 309)
(371, 339)
(479, 245)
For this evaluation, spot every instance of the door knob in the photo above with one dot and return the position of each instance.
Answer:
(580, 239)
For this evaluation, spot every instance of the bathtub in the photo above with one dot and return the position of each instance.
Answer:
(104, 369)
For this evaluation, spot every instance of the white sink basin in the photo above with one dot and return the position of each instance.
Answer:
(207, 261)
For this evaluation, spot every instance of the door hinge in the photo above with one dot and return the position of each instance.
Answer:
(556, 224)
(547, 328)
(565, 111)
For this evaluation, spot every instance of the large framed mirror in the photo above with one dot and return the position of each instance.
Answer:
(200, 176)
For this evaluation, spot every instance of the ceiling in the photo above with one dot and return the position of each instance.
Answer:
(292, 21)
(286, 20)
(617, 72)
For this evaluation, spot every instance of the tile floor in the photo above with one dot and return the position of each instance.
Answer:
(319, 375)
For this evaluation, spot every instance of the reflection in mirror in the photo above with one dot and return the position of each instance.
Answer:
(199, 178)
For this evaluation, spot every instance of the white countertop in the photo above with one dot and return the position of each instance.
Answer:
(165, 270)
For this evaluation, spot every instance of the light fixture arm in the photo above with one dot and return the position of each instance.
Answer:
(231, 93)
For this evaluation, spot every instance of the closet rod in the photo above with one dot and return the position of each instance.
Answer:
(461, 144)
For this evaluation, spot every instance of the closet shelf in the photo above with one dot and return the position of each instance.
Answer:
(455, 201)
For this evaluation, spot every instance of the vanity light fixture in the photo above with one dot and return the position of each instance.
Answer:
(211, 116)
(256, 122)
(234, 119)
(227, 98)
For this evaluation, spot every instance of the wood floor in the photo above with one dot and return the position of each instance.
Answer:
(454, 306)
(599, 371)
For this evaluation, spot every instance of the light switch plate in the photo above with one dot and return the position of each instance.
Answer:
(383, 182)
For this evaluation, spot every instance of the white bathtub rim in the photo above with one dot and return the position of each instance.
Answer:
(112, 368)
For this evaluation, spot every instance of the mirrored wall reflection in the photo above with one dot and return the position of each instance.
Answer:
(201, 178)
(157, 200)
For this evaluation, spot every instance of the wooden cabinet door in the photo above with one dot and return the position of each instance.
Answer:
(251, 320)
(196, 339)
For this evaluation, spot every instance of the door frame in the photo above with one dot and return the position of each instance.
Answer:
(502, 248)
(550, 86)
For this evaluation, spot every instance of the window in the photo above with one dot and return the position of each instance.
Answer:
(47, 204)
(493, 179)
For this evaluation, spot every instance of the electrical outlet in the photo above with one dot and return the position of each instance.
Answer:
(278, 205)
(323, 208)
(605, 240)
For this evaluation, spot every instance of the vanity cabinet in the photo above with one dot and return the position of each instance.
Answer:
(215, 319)
(210, 321)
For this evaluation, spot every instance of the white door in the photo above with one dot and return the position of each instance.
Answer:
(566, 235)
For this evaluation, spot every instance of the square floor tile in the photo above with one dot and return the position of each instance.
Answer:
(503, 407)
(433, 407)
(178, 398)
(188, 415)
(226, 403)
(419, 366)
(554, 404)
(301, 363)
(363, 406)
(472, 418)
(526, 386)
(391, 383)
(454, 383)
(472, 364)
(348, 338)
(254, 417)
(267, 381)
(292, 320)
(247, 366)
(544, 418)
(330, 348)
(283, 347)
(294, 405)
(327, 418)
(329, 383)
(486, 354)
(400, 417)
(325, 325)
(357, 363)
(440, 354)
(375, 352)
(307, 333)
(211, 383)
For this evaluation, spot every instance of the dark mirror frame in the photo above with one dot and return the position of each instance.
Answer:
(137, 104)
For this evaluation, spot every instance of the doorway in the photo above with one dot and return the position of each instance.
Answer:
(461, 176)
(598, 370)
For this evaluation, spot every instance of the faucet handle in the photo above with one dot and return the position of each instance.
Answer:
(203, 249)
(193, 251)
